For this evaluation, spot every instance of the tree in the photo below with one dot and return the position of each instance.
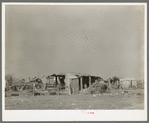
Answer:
(10, 79)
(114, 79)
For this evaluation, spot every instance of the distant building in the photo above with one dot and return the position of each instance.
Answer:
(128, 82)
(140, 84)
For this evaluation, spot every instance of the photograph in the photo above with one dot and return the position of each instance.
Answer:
(86, 60)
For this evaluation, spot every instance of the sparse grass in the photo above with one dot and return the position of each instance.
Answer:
(27, 101)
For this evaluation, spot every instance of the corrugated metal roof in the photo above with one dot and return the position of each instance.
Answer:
(71, 75)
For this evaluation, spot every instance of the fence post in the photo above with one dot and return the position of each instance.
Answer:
(33, 89)
(58, 89)
(109, 84)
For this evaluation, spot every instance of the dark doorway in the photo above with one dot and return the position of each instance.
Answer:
(85, 81)
(79, 84)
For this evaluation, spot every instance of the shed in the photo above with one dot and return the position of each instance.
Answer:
(140, 84)
(71, 83)
(87, 80)
(128, 82)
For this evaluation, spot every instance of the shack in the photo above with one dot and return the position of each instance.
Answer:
(57, 79)
(140, 84)
(71, 83)
(86, 80)
(127, 83)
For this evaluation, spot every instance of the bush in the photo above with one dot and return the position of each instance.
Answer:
(114, 79)
(10, 79)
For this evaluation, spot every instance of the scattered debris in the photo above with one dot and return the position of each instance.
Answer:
(125, 91)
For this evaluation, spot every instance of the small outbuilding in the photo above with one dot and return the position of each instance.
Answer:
(128, 83)
(140, 84)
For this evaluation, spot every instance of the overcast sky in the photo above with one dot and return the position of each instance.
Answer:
(98, 40)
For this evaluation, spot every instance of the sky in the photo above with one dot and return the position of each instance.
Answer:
(97, 40)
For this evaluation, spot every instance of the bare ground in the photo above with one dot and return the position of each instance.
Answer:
(117, 100)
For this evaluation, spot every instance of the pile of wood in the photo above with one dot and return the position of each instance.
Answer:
(97, 88)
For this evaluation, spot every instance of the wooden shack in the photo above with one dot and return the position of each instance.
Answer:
(140, 84)
(128, 83)
(86, 80)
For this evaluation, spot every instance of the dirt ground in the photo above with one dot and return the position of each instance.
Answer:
(117, 99)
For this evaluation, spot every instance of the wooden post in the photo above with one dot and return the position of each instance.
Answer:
(56, 79)
(81, 84)
(109, 84)
(69, 88)
(89, 81)
(73, 90)
(33, 89)
(58, 89)
(44, 86)
(120, 87)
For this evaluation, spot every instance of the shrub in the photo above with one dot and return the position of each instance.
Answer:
(10, 79)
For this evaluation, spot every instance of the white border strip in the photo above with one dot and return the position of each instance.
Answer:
(16, 3)
(3, 60)
(145, 58)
